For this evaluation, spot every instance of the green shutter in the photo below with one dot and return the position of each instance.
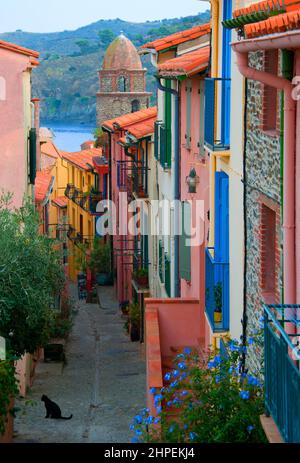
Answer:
(188, 135)
(167, 275)
(32, 155)
(156, 140)
(202, 115)
(185, 249)
(160, 263)
(168, 126)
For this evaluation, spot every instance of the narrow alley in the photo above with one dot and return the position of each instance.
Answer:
(102, 382)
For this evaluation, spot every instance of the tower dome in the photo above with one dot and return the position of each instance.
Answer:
(122, 54)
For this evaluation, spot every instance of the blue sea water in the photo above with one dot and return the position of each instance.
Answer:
(69, 137)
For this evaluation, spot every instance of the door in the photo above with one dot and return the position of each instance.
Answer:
(221, 217)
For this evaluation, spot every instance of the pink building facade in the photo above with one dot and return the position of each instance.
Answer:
(17, 167)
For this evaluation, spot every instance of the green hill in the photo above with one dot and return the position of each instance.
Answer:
(67, 79)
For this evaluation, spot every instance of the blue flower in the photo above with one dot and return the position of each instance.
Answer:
(169, 404)
(149, 420)
(158, 398)
(158, 410)
(132, 427)
(157, 420)
(183, 376)
(175, 374)
(138, 419)
(233, 346)
(210, 365)
(218, 379)
(184, 393)
(153, 390)
(250, 341)
(185, 426)
(135, 441)
(245, 395)
(167, 376)
(138, 432)
(187, 350)
(182, 366)
(193, 435)
(252, 381)
(250, 428)
(180, 356)
(174, 384)
(172, 428)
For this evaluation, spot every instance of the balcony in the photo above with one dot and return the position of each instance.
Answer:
(123, 181)
(217, 292)
(140, 180)
(217, 114)
(93, 200)
(282, 375)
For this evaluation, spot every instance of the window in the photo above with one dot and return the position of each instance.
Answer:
(122, 84)
(135, 106)
(2, 89)
(270, 103)
(268, 252)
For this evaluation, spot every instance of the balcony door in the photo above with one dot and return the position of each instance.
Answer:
(222, 217)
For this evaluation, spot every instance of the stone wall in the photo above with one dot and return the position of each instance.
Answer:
(113, 105)
(262, 185)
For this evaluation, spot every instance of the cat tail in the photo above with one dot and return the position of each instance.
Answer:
(66, 418)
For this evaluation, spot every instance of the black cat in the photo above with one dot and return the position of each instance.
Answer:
(53, 410)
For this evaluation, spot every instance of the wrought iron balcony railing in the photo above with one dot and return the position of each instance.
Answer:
(217, 292)
(217, 114)
(282, 374)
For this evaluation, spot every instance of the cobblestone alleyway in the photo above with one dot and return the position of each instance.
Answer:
(102, 384)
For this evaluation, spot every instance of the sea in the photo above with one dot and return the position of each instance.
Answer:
(69, 137)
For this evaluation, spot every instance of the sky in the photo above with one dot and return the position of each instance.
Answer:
(59, 15)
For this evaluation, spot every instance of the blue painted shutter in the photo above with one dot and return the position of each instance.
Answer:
(221, 217)
(226, 74)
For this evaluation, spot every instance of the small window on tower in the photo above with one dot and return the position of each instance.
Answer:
(135, 106)
(122, 84)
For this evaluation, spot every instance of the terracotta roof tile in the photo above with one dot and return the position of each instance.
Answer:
(50, 149)
(281, 23)
(187, 64)
(142, 129)
(178, 37)
(21, 50)
(43, 183)
(268, 5)
(61, 202)
(129, 119)
(82, 159)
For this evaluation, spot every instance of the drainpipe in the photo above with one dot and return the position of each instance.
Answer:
(176, 179)
(241, 49)
(214, 37)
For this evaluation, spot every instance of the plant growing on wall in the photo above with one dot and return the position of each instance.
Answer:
(218, 295)
(219, 402)
(31, 275)
(8, 390)
(100, 257)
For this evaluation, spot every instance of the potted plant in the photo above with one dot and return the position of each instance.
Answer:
(100, 262)
(218, 293)
(124, 306)
(134, 322)
(141, 277)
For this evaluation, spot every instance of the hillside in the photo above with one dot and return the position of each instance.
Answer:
(67, 79)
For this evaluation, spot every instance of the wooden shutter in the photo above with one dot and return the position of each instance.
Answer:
(188, 136)
(185, 248)
(168, 126)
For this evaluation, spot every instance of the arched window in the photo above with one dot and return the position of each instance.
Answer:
(135, 106)
(122, 84)
(2, 89)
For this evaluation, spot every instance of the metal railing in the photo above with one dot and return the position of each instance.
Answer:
(217, 114)
(282, 375)
(216, 274)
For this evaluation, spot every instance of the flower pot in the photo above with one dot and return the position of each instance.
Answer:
(142, 281)
(134, 332)
(217, 317)
(104, 279)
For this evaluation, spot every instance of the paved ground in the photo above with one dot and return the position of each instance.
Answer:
(102, 384)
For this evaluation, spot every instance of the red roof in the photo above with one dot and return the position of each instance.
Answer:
(82, 159)
(143, 129)
(187, 64)
(20, 50)
(179, 37)
(269, 5)
(61, 202)
(281, 23)
(127, 120)
(49, 149)
(43, 183)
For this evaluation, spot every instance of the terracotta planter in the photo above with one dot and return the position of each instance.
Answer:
(7, 437)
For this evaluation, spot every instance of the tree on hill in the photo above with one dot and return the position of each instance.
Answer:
(106, 36)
